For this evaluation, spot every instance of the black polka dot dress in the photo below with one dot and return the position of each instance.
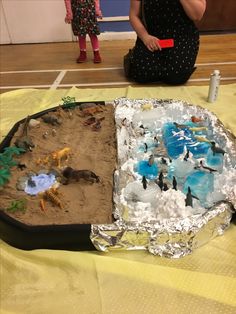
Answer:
(166, 19)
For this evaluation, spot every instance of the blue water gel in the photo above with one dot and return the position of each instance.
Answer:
(198, 149)
(215, 161)
(143, 168)
(175, 139)
(42, 182)
(201, 183)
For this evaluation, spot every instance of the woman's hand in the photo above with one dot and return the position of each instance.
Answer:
(151, 42)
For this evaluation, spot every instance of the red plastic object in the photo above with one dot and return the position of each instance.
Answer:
(166, 43)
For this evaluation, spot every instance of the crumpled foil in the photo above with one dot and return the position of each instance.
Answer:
(174, 237)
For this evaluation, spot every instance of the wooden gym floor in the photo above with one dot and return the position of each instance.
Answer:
(52, 65)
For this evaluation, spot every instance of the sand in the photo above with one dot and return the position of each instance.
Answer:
(90, 147)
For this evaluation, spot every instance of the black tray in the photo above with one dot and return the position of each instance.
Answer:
(63, 237)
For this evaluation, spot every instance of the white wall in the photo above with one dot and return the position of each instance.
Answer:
(31, 21)
(4, 34)
(37, 21)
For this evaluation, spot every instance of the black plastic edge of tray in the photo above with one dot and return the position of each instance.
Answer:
(74, 237)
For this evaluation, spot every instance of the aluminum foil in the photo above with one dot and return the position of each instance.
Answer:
(171, 237)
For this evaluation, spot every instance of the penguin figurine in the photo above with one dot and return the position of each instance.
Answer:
(189, 198)
(159, 182)
(144, 182)
(156, 140)
(216, 150)
(165, 187)
(163, 161)
(161, 176)
(174, 182)
(206, 168)
(146, 147)
(186, 157)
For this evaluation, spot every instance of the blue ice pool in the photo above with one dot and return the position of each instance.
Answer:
(175, 139)
(215, 161)
(143, 168)
(201, 183)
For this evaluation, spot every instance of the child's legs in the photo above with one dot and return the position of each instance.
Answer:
(94, 42)
(82, 43)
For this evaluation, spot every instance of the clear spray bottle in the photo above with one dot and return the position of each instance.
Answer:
(214, 86)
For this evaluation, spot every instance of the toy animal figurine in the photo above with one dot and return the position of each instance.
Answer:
(151, 160)
(31, 182)
(76, 175)
(87, 105)
(21, 166)
(198, 128)
(180, 126)
(60, 112)
(156, 141)
(160, 150)
(124, 122)
(186, 157)
(216, 150)
(206, 168)
(201, 139)
(160, 182)
(144, 182)
(42, 205)
(174, 182)
(51, 194)
(24, 141)
(189, 198)
(145, 147)
(195, 119)
(51, 119)
(96, 126)
(147, 106)
(89, 121)
(95, 122)
(165, 187)
(91, 111)
(163, 161)
(61, 154)
(43, 161)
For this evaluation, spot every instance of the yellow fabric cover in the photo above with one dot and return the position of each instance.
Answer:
(132, 282)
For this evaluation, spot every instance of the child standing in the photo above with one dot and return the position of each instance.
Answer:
(82, 15)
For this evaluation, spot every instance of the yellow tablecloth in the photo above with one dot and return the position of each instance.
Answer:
(46, 281)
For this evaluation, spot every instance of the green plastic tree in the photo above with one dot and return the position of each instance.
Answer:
(68, 102)
(4, 176)
(7, 161)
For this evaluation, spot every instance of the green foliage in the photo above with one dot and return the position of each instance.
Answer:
(4, 176)
(68, 102)
(13, 150)
(17, 205)
(7, 161)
